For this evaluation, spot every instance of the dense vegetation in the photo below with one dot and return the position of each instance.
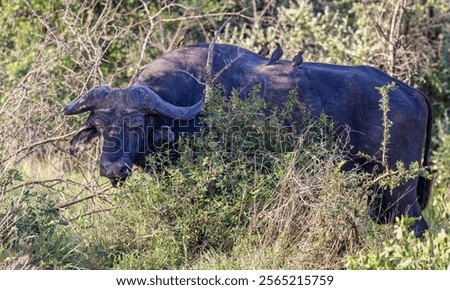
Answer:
(250, 194)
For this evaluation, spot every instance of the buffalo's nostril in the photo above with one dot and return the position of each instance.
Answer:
(115, 169)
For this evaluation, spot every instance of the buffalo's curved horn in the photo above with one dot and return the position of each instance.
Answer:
(88, 101)
(144, 97)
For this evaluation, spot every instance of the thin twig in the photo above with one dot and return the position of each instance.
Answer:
(72, 202)
(95, 212)
(43, 182)
(48, 140)
(227, 66)
(212, 16)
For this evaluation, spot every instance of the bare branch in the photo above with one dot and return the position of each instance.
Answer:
(72, 202)
(48, 140)
(209, 61)
(96, 211)
(191, 75)
(227, 66)
(211, 16)
(44, 182)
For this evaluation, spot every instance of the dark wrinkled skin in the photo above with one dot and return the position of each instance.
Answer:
(346, 94)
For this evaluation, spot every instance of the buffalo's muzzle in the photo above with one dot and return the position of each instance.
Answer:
(115, 170)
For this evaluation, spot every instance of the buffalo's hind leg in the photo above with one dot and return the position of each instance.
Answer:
(388, 204)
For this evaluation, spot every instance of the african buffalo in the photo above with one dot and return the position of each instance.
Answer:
(168, 97)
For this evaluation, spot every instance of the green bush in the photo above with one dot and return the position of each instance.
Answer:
(32, 226)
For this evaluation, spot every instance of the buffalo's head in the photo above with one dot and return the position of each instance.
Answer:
(128, 121)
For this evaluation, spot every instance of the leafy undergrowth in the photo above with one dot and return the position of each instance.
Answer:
(406, 252)
(402, 250)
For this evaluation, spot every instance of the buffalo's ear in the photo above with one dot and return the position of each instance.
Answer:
(85, 135)
(163, 135)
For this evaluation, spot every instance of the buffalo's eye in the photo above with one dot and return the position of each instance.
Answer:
(101, 121)
(100, 125)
